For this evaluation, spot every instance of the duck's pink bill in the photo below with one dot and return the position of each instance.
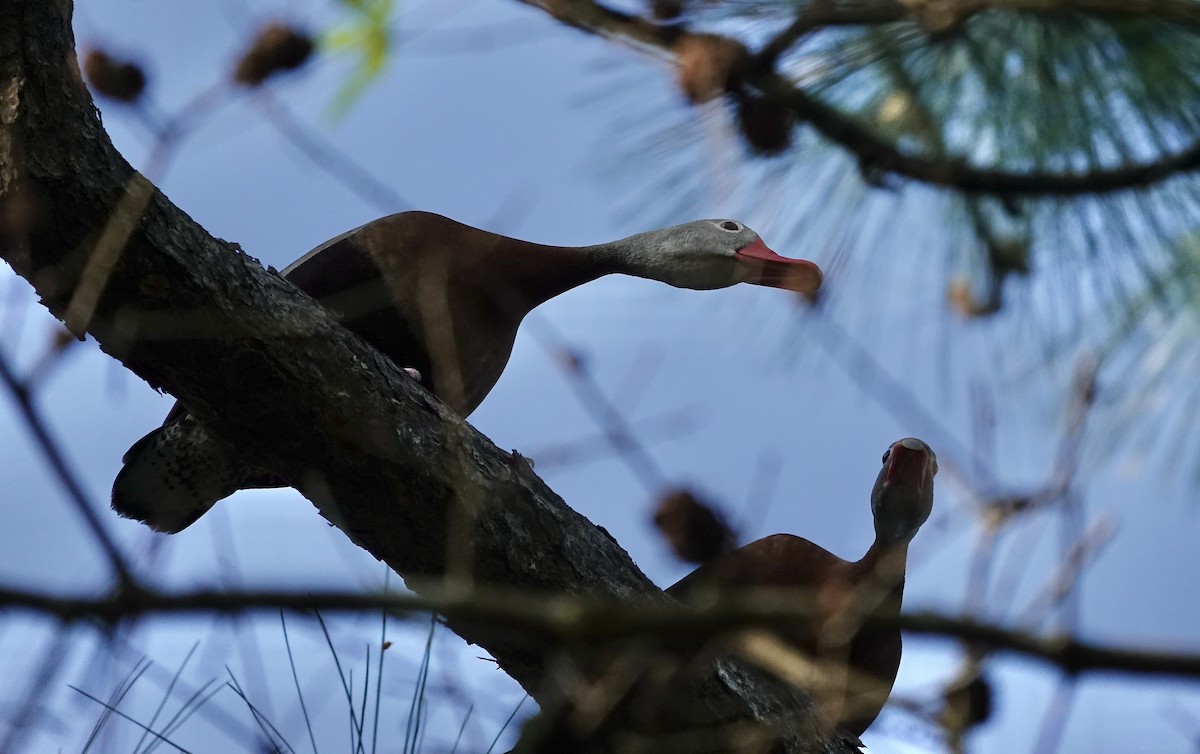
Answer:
(908, 460)
(769, 269)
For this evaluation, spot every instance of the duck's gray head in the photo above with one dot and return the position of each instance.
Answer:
(903, 494)
(708, 254)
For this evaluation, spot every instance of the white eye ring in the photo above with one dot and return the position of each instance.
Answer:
(730, 226)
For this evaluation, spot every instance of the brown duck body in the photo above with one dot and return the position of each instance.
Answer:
(441, 297)
(833, 586)
(438, 296)
(446, 300)
(842, 594)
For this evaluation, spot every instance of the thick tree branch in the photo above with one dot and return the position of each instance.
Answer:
(574, 619)
(876, 153)
(272, 373)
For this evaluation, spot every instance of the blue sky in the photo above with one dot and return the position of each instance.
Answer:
(494, 115)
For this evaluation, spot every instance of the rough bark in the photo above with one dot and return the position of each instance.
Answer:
(273, 374)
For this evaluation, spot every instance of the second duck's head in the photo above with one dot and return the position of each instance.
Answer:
(903, 495)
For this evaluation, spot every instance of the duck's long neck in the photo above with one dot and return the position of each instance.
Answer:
(883, 568)
(640, 255)
(538, 273)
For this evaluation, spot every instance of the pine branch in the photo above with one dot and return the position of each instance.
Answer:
(816, 15)
(875, 153)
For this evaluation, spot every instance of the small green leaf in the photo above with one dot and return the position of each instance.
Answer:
(367, 36)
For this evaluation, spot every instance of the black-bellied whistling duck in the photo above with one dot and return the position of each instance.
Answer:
(442, 300)
(873, 586)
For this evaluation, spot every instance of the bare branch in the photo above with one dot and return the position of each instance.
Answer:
(328, 158)
(573, 619)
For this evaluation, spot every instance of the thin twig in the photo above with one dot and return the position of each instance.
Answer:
(613, 424)
(23, 397)
(166, 696)
(259, 717)
(507, 723)
(667, 426)
(877, 383)
(123, 716)
(296, 679)
(328, 158)
(105, 253)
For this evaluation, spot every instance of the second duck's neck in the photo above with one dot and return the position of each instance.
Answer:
(884, 566)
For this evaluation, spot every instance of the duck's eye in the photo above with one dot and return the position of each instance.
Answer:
(730, 226)
(887, 454)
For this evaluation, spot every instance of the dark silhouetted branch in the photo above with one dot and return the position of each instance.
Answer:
(578, 620)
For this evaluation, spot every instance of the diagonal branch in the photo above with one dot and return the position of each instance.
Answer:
(20, 393)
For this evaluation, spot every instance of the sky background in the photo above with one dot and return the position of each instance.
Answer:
(495, 115)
